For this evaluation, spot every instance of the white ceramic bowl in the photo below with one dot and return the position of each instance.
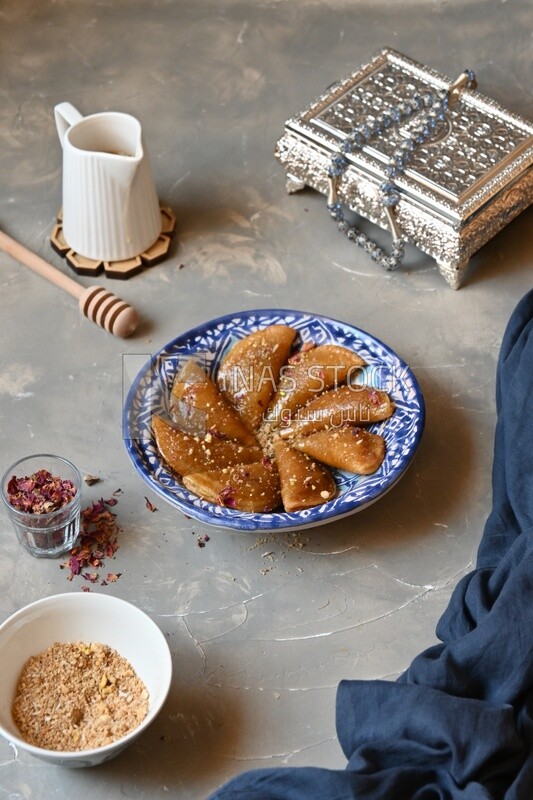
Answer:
(87, 617)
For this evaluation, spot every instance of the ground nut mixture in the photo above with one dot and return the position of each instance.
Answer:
(78, 696)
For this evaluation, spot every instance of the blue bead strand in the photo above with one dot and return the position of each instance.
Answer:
(435, 104)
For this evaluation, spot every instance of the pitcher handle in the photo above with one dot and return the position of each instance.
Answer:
(65, 115)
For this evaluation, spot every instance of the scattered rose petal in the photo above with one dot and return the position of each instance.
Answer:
(150, 506)
(227, 497)
(97, 540)
(91, 479)
(112, 577)
(111, 502)
(91, 513)
(74, 565)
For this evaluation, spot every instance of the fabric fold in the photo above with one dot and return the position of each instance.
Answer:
(384, 725)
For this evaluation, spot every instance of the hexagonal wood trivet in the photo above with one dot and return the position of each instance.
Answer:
(117, 269)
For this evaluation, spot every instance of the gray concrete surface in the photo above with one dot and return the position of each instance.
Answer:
(259, 643)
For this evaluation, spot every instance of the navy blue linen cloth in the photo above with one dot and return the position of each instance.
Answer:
(458, 724)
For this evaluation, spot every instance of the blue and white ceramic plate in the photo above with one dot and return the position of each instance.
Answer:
(150, 391)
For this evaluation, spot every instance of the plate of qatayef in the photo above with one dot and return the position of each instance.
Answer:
(273, 420)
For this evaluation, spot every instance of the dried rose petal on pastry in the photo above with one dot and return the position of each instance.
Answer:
(350, 448)
(184, 453)
(249, 373)
(198, 407)
(308, 374)
(357, 405)
(249, 487)
(304, 482)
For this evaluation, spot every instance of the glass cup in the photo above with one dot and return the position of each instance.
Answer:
(54, 533)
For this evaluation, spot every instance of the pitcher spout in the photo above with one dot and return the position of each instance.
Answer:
(122, 166)
(125, 151)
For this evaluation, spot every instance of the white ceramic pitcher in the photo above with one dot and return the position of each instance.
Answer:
(110, 206)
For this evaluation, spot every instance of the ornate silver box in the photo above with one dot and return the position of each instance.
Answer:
(462, 185)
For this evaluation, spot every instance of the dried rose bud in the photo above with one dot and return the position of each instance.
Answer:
(227, 497)
(39, 493)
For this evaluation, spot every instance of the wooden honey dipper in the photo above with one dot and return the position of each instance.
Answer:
(96, 303)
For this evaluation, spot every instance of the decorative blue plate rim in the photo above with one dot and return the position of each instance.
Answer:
(150, 389)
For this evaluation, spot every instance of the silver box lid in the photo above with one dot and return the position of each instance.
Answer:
(479, 148)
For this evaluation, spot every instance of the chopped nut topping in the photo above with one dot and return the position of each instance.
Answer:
(93, 697)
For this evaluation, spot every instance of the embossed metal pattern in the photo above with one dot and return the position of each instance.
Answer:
(464, 148)
(385, 370)
(462, 186)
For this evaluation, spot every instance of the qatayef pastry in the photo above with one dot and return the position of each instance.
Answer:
(304, 482)
(350, 448)
(248, 375)
(198, 407)
(185, 453)
(310, 372)
(357, 405)
(263, 434)
(249, 487)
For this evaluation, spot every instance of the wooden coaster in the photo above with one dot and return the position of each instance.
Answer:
(156, 253)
